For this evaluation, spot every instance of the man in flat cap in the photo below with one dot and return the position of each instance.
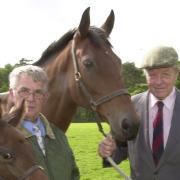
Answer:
(155, 153)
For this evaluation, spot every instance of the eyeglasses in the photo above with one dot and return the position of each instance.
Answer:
(25, 93)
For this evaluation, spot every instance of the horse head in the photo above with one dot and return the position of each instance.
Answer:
(84, 71)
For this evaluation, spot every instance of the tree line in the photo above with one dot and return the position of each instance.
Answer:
(133, 78)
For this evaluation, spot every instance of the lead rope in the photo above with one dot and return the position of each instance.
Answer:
(109, 159)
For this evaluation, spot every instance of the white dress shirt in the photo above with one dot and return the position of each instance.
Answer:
(167, 114)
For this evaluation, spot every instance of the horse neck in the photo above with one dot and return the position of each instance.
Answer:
(60, 110)
(60, 106)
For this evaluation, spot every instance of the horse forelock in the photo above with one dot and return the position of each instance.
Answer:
(98, 36)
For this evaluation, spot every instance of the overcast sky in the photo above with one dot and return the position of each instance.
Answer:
(27, 27)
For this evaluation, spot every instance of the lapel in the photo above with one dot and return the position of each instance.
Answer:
(144, 114)
(144, 127)
(174, 133)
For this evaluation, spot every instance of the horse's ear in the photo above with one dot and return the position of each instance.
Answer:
(16, 115)
(84, 23)
(109, 23)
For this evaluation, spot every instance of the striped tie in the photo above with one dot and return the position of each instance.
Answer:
(158, 145)
(37, 133)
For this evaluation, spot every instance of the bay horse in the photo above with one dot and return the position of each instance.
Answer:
(17, 161)
(84, 71)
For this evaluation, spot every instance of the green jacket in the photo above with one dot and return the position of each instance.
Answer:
(59, 162)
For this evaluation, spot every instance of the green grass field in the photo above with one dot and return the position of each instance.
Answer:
(84, 138)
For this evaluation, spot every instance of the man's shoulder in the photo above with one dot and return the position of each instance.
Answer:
(137, 97)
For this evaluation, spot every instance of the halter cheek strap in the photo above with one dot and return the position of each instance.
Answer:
(27, 173)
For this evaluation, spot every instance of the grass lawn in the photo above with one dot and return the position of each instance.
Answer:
(84, 138)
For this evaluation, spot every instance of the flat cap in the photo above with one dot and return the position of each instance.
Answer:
(160, 57)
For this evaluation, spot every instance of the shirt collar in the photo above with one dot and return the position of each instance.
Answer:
(168, 101)
(32, 126)
(49, 131)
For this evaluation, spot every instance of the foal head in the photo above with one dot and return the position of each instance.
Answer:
(17, 160)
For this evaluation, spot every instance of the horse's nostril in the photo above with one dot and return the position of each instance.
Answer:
(130, 129)
(125, 124)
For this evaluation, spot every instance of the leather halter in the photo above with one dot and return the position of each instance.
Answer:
(93, 103)
(28, 172)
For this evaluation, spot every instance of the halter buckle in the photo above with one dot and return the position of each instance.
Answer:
(77, 76)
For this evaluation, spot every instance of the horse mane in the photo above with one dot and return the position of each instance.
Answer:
(96, 35)
(55, 46)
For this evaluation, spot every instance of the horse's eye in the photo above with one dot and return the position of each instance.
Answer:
(88, 63)
(7, 156)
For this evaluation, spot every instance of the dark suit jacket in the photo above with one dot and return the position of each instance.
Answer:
(139, 150)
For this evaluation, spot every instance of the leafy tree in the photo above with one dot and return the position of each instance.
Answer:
(178, 79)
(138, 88)
(23, 62)
(178, 82)
(4, 73)
(132, 75)
(134, 78)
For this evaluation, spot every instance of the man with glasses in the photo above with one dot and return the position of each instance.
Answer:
(49, 143)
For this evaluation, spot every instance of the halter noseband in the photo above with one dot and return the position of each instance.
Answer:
(28, 172)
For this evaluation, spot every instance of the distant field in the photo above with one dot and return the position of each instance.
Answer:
(84, 138)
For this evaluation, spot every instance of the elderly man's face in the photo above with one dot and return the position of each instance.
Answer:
(161, 81)
(33, 93)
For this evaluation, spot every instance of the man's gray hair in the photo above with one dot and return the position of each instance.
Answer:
(35, 72)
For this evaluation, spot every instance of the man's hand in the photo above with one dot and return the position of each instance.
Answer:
(106, 147)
